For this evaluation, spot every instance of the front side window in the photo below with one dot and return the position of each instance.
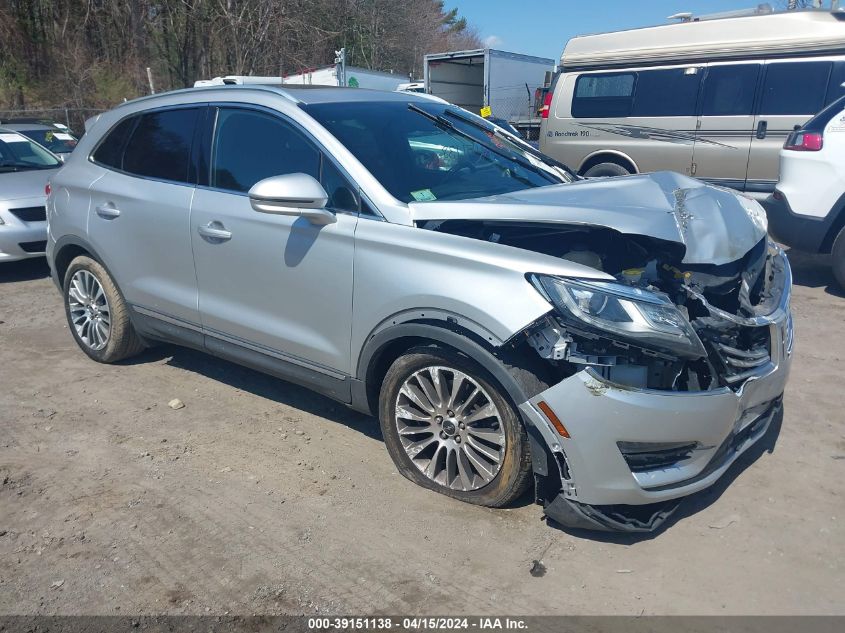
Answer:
(160, 146)
(795, 88)
(670, 92)
(427, 151)
(342, 195)
(18, 153)
(729, 90)
(250, 146)
(603, 95)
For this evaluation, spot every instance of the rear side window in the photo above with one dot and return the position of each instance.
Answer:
(110, 151)
(250, 146)
(160, 146)
(729, 90)
(603, 95)
(795, 88)
(671, 92)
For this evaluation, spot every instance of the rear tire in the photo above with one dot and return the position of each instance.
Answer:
(477, 452)
(606, 169)
(97, 315)
(837, 256)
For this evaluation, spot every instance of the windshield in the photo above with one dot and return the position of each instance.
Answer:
(430, 151)
(56, 141)
(18, 153)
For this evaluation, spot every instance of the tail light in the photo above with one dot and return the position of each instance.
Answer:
(547, 105)
(801, 141)
(47, 189)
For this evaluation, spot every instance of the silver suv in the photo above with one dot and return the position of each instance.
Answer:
(616, 343)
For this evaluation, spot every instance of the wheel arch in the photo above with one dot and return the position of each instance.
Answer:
(514, 371)
(837, 224)
(608, 156)
(67, 248)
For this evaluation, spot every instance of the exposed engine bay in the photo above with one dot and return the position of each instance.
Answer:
(719, 302)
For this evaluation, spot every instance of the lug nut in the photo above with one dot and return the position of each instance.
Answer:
(461, 425)
(457, 439)
(450, 413)
(442, 435)
(438, 419)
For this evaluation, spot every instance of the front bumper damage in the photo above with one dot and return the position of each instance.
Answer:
(633, 453)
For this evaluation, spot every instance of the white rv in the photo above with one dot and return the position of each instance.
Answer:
(713, 98)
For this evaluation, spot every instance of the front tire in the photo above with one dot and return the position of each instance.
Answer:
(97, 315)
(448, 427)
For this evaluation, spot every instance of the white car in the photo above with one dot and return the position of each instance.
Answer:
(807, 209)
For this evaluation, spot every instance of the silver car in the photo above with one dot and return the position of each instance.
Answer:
(616, 344)
(57, 139)
(24, 170)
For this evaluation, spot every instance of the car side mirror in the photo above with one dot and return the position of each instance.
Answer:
(292, 194)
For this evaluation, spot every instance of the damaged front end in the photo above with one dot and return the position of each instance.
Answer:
(662, 374)
(664, 378)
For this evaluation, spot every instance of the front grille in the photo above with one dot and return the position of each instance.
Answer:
(742, 355)
(30, 214)
(34, 247)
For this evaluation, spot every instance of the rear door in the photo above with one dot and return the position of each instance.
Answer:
(138, 219)
(793, 92)
(726, 123)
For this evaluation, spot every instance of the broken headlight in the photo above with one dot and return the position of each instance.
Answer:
(633, 314)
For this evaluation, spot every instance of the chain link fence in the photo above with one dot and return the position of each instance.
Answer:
(73, 118)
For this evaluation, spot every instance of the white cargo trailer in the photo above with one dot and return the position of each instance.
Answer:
(326, 76)
(473, 79)
(355, 78)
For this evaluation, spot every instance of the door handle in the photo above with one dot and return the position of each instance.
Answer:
(761, 129)
(215, 231)
(107, 211)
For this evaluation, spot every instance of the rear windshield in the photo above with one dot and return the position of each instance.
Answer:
(18, 153)
(423, 151)
(56, 141)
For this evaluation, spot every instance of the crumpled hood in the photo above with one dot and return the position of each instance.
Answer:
(710, 222)
(24, 184)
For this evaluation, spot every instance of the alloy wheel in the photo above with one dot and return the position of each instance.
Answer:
(450, 428)
(89, 310)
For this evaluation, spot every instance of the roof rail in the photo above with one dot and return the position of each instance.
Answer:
(687, 16)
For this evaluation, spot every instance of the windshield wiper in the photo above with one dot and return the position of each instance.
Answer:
(507, 136)
(447, 124)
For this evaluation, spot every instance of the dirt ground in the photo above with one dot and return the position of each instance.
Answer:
(260, 497)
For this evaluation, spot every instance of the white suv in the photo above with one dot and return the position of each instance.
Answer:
(807, 209)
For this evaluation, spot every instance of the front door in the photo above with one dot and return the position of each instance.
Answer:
(274, 284)
(726, 124)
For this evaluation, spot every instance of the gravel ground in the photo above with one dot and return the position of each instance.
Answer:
(261, 497)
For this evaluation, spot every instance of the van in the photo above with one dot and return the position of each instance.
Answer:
(711, 98)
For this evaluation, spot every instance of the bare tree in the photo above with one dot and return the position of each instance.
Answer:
(92, 53)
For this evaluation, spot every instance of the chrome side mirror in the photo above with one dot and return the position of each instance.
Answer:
(292, 194)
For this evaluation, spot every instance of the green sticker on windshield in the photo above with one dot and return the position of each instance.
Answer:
(423, 195)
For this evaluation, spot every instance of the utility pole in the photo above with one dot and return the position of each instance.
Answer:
(340, 62)
(150, 79)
